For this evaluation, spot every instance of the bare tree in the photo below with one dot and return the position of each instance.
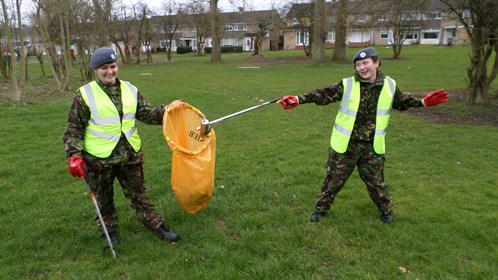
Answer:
(403, 17)
(123, 23)
(3, 59)
(320, 31)
(302, 15)
(198, 17)
(215, 31)
(15, 85)
(21, 51)
(480, 20)
(340, 15)
(64, 12)
(52, 27)
(216, 27)
(143, 32)
(266, 22)
(169, 21)
(101, 19)
(84, 37)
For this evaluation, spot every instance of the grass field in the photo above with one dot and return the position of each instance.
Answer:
(269, 169)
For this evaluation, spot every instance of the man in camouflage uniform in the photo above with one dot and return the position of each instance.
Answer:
(359, 130)
(96, 139)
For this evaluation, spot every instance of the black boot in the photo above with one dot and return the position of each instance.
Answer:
(167, 234)
(387, 218)
(317, 216)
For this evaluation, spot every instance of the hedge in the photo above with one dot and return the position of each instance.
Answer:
(226, 49)
(181, 50)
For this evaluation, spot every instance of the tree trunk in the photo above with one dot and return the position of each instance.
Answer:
(257, 45)
(22, 52)
(477, 74)
(215, 31)
(65, 45)
(16, 95)
(320, 32)
(340, 32)
(168, 51)
(494, 69)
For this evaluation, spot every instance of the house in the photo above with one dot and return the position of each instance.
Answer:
(377, 25)
(241, 28)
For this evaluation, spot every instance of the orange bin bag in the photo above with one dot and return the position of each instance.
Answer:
(194, 155)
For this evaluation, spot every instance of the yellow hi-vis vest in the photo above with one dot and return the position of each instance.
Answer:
(105, 126)
(346, 116)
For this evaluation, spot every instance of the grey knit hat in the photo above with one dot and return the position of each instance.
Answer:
(365, 53)
(102, 56)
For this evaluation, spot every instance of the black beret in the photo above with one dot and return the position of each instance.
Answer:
(364, 53)
(102, 56)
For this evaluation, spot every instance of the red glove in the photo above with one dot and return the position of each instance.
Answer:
(289, 102)
(435, 98)
(74, 164)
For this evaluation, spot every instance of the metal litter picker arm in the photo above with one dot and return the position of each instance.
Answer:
(106, 233)
(205, 127)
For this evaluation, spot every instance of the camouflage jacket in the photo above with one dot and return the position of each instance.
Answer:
(79, 115)
(364, 127)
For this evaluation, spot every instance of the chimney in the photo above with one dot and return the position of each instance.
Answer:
(241, 9)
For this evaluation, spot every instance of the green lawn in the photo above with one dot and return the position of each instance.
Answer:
(269, 170)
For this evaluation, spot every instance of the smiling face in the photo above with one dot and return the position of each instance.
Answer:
(367, 69)
(108, 73)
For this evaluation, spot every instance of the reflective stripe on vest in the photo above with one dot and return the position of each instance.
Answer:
(348, 109)
(105, 126)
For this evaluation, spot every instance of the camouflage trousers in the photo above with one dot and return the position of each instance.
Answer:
(131, 178)
(370, 168)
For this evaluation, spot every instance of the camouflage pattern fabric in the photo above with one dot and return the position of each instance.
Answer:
(364, 127)
(124, 163)
(370, 167)
(360, 152)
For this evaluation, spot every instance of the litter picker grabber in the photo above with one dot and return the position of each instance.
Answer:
(97, 210)
(205, 127)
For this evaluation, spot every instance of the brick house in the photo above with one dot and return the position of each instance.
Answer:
(372, 25)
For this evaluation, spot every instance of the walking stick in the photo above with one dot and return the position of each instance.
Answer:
(106, 233)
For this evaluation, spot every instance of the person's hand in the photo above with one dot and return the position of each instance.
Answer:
(74, 164)
(289, 102)
(435, 98)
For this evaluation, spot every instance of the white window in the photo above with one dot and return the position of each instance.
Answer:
(302, 38)
(383, 17)
(331, 37)
(465, 13)
(164, 44)
(384, 34)
(411, 36)
(228, 27)
(430, 35)
(432, 15)
(227, 42)
(240, 27)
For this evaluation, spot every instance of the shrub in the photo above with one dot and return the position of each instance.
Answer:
(181, 50)
(226, 49)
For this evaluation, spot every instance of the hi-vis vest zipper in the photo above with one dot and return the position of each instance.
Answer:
(105, 126)
(344, 122)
